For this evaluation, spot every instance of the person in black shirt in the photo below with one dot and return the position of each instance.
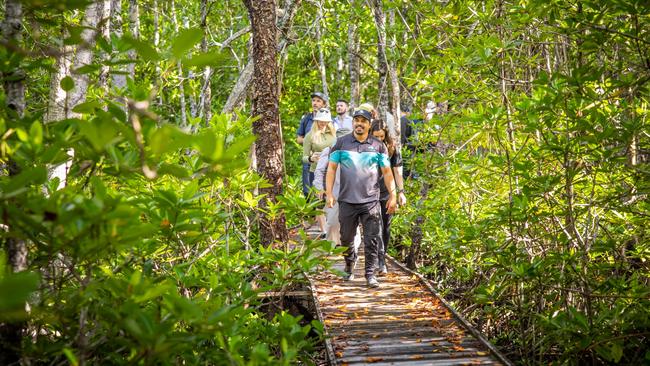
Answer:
(406, 129)
(380, 131)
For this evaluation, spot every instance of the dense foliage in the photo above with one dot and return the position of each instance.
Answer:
(534, 179)
(149, 253)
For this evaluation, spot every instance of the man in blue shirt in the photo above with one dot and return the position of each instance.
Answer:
(318, 100)
(360, 157)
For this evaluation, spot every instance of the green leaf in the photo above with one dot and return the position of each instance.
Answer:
(15, 289)
(67, 83)
(241, 145)
(36, 133)
(87, 107)
(191, 189)
(173, 169)
(104, 44)
(186, 39)
(99, 132)
(168, 138)
(21, 182)
(86, 69)
(116, 111)
(143, 49)
(69, 354)
(22, 135)
(213, 58)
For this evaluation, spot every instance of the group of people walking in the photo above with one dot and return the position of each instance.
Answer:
(353, 163)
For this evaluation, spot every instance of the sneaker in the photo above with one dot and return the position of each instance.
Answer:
(372, 282)
(382, 270)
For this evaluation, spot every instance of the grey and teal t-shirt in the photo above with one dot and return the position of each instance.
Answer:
(359, 163)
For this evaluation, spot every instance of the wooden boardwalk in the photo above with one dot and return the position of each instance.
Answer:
(403, 322)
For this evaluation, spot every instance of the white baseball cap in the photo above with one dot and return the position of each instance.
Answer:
(323, 114)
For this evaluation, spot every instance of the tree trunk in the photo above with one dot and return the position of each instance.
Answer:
(84, 55)
(321, 54)
(156, 44)
(382, 63)
(15, 248)
(394, 86)
(240, 89)
(119, 76)
(57, 108)
(105, 32)
(134, 27)
(194, 106)
(206, 90)
(268, 147)
(353, 61)
(14, 81)
(179, 66)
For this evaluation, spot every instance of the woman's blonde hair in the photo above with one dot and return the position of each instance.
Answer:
(318, 136)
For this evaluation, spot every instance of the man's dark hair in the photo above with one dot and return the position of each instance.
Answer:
(343, 100)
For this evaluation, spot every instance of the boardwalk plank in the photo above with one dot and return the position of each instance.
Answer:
(401, 323)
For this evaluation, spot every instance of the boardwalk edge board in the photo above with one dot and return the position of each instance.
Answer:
(467, 325)
(331, 357)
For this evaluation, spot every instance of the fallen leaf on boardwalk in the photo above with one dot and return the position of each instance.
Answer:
(435, 351)
(480, 353)
(374, 359)
(458, 348)
(376, 336)
(418, 341)
(435, 343)
(417, 357)
(339, 354)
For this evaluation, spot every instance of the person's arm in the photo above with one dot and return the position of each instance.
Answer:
(389, 181)
(306, 150)
(396, 164)
(399, 185)
(390, 185)
(329, 183)
(301, 130)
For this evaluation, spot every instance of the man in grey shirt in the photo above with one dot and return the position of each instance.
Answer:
(342, 120)
(360, 157)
